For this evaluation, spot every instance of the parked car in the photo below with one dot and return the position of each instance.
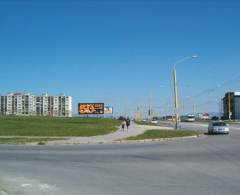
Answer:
(218, 127)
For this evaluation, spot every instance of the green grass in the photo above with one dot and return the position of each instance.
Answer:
(157, 134)
(232, 121)
(24, 140)
(49, 126)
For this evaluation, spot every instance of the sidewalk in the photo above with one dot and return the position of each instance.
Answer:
(133, 130)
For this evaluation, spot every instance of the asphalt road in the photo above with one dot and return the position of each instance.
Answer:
(197, 126)
(206, 165)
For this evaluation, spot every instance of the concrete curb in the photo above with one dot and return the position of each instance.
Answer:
(125, 141)
(157, 139)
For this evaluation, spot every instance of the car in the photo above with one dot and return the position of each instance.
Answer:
(188, 118)
(218, 127)
(154, 121)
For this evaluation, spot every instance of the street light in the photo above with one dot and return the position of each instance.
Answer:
(175, 87)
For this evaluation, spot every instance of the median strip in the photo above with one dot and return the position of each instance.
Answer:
(163, 134)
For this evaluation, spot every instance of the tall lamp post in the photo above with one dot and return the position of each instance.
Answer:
(175, 88)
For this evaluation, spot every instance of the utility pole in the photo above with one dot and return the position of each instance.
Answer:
(150, 109)
(175, 88)
(229, 106)
(175, 98)
(183, 107)
(163, 113)
(221, 108)
(194, 108)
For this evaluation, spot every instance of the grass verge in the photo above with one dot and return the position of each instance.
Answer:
(157, 134)
(50, 126)
(24, 140)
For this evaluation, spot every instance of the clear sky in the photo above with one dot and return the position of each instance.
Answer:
(121, 52)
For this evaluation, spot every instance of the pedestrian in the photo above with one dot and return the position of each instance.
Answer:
(123, 125)
(128, 123)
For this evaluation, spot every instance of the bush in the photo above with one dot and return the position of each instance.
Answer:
(215, 118)
(121, 118)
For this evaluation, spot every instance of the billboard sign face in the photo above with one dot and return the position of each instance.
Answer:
(108, 110)
(91, 108)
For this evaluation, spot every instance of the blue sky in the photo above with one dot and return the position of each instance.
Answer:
(121, 52)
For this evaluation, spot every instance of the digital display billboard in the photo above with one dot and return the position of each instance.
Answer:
(91, 108)
(108, 110)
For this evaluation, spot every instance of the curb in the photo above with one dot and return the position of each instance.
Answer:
(128, 141)
(154, 140)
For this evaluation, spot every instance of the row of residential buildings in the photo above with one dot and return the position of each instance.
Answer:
(26, 104)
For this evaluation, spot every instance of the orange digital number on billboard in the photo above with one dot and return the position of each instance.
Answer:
(91, 108)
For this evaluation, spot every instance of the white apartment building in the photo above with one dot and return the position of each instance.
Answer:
(30, 105)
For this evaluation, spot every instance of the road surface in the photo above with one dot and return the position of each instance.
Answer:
(197, 126)
(206, 165)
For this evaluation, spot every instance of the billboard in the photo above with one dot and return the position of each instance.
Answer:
(108, 110)
(91, 108)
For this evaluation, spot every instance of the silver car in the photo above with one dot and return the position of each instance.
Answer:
(218, 127)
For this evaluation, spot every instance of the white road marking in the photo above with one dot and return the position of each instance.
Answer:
(25, 185)
(2, 192)
(44, 187)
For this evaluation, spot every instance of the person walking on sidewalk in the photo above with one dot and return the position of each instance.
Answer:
(128, 123)
(123, 125)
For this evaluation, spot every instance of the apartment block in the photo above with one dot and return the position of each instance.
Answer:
(26, 104)
(231, 105)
